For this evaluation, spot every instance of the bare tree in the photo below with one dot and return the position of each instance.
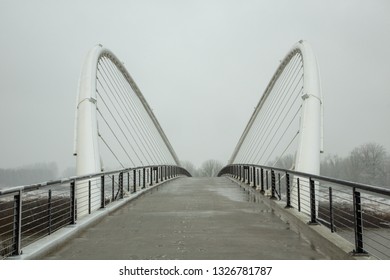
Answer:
(190, 167)
(210, 168)
(368, 163)
(333, 166)
(373, 156)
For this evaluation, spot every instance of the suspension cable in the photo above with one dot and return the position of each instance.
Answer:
(145, 128)
(122, 95)
(119, 115)
(262, 128)
(269, 106)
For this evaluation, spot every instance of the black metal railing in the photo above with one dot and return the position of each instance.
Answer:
(359, 213)
(31, 212)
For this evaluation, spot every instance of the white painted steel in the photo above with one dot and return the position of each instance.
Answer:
(86, 130)
(86, 140)
(310, 143)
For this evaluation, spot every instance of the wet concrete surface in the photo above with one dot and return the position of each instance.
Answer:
(191, 218)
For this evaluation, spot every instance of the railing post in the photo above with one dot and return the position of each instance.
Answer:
(144, 177)
(299, 195)
(331, 220)
(157, 175)
(280, 188)
(102, 193)
(89, 196)
(128, 181)
(262, 180)
(49, 212)
(134, 180)
(313, 218)
(151, 176)
(113, 187)
(254, 177)
(17, 242)
(358, 223)
(273, 184)
(121, 184)
(72, 203)
(266, 180)
(288, 191)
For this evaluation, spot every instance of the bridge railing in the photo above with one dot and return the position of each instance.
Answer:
(357, 212)
(31, 212)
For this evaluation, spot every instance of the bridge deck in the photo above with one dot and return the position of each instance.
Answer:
(191, 218)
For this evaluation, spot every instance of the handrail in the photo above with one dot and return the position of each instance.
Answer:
(31, 212)
(75, 178)
(358, 212)
(366, 187)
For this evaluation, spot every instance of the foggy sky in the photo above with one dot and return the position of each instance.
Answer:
(201, 65)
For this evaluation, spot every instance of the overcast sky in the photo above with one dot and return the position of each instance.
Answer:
(202, 65)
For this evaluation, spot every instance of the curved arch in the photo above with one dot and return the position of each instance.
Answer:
(310, 136)
(86, 146)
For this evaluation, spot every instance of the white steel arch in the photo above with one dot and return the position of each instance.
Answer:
(86, 144)
(310, 143)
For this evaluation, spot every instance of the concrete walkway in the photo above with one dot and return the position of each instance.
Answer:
(191, 218)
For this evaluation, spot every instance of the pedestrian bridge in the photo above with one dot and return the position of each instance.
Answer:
(132, 199)
(191, 218)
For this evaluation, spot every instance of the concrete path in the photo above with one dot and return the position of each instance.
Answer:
(191, 218)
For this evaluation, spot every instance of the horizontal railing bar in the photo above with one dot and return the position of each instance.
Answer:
(349, 209)
(361, 186)
(70, 179)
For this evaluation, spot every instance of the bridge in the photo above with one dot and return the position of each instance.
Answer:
(132, 199)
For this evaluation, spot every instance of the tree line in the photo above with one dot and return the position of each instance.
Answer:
(208, 168)
(368, 164)
(26, 175)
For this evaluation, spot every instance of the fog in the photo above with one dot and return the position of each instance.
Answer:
(201, 65)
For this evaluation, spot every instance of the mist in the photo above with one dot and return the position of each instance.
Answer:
(201, 65)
